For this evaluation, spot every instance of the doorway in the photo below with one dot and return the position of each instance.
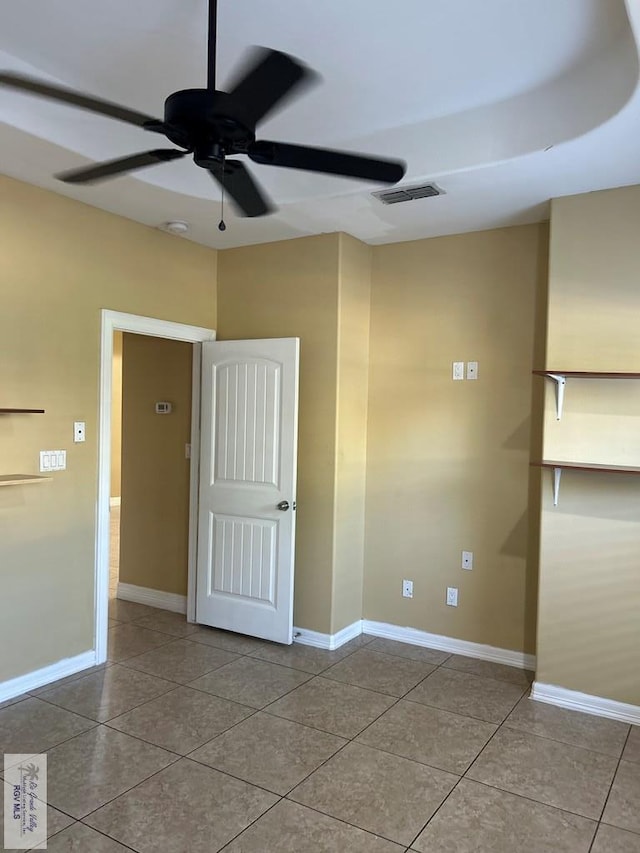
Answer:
(112, 322)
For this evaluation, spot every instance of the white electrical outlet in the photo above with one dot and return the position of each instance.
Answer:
(407, 589)
(467, 560)
(472, 370)
(458, 370)
(78, 431)
(452, 596)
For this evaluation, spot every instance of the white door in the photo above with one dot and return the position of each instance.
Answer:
(246, 516)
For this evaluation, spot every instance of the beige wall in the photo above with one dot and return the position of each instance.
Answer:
(154, 515)
(448, 462)
(61, 262)
(116, 416)
(351, 431)
(290, 289)
(589, 615)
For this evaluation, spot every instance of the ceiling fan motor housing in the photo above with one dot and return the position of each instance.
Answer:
(212, 124)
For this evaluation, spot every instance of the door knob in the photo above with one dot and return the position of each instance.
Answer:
(283, 505)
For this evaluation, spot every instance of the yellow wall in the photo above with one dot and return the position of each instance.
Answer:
(154, 514)
(116, 416)
(589, 615)
(290, 289)
(448, 462)
(351, 431)
(60, 263)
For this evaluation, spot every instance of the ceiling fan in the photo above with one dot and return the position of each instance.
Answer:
(215, 126)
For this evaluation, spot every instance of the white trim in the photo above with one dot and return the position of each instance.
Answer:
(116, 321)
(194, 483)
(449, 644)
(152, 597)
(596, 705)
(114, 502)
(327, 641)
(39, 677)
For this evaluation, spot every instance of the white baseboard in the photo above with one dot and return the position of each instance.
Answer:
(416, 638)
(152, 597)
(114, 501)
(449, 644)
(39, 677)
(576, 701)
(327, 641)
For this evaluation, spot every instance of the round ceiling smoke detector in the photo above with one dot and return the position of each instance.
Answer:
(176, 227)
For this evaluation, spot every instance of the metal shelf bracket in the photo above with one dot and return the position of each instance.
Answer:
(557, 474)
(560, 381)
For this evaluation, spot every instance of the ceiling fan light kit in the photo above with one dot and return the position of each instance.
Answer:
(214, 126)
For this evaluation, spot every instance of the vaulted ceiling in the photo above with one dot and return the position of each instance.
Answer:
(504, 103)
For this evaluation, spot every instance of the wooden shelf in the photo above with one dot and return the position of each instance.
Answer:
(560, 378)
(558, 467)
(586, 374)
(588, 466)
(22, 479)
(21, 411)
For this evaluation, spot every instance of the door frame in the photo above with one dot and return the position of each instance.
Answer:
(116, 321)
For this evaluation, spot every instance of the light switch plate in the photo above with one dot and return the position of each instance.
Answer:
(458, 370)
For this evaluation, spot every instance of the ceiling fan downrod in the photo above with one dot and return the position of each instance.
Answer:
(211, 44)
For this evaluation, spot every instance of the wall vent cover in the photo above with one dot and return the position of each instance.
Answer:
(401, 194)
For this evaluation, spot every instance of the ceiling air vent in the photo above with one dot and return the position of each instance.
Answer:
(400, 194)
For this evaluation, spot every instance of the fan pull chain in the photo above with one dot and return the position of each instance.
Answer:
(221, 225)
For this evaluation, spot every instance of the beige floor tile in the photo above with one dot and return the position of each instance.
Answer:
(17, 699)
(93, 768)
(56, 821)
(82, 839)
(487, 669)
(108, 693)
(251, 682)
(610, 839)
(167, 623)
(379, 672)
(623, 805)
(438, 738)
(478, 819)
(381, 793)
(596, 733)
(228, 640)
(407, 650)
(35, 726)
(306, 658)
(550, 772)
(186, 807)
(291, 828)
(180, 660)
(484, 698)
(77, 675)
(127, 611)
(127, 641)
(181, 720)
(632, 749)
(271, 752)
(331, 706)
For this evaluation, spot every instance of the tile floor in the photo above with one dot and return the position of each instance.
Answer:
(193, 739)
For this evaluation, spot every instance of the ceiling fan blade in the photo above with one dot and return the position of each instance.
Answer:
(239, 184)
(267, 79)
(112, 168)
(326, 160)
(77, 99)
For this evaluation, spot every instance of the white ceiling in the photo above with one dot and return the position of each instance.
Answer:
(505, 103)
